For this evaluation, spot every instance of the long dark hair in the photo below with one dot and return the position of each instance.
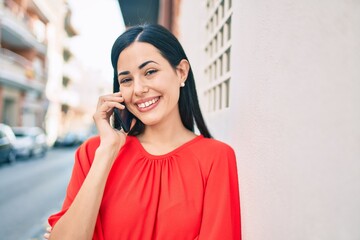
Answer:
(171, 49)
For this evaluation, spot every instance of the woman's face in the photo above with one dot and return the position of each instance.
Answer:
(149, 84)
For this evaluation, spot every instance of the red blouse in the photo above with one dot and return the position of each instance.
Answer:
(190, 193)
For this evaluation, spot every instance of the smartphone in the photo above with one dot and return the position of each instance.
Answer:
(122, 119)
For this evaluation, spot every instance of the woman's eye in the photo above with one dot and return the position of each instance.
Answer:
(125, 80)
(151, 71)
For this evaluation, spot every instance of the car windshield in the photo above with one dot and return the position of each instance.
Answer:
(20, 134)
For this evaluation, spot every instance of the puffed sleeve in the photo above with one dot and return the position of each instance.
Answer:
(221, 210)
(83, 159)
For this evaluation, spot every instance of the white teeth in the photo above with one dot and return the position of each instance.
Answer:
(148, 103)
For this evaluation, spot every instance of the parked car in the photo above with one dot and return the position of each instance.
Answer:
(23, 146)
(75, 138)
(69, 139)
(30, 141)
(7, 137)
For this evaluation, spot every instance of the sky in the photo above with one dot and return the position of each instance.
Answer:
(98, 23)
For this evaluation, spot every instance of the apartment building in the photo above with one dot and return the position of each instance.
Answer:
(33, 38)
(23, 73)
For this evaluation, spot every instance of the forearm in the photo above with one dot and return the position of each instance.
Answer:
(79, 220)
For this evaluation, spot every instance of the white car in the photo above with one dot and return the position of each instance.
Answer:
(30, 141)
(7, 138)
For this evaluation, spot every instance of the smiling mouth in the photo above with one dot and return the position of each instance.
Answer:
(148, 103)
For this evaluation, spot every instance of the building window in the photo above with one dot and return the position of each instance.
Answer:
(218, 52)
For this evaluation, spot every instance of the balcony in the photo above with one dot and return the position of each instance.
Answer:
(18, 72)
(20, 30)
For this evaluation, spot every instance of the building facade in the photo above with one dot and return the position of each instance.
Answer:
(24, 64)
(33, 34)
(279, 82)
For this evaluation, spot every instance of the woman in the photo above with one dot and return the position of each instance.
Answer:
(161, 180)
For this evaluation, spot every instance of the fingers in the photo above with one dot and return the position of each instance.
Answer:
(47, 235)
(107, 103)
(115, 97)
(108, 106)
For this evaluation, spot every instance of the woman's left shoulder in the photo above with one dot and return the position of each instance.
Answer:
(213, 146)
(213, 154)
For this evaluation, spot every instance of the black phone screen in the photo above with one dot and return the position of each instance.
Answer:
(122, 119)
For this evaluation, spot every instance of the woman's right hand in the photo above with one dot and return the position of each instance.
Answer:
(109, 136)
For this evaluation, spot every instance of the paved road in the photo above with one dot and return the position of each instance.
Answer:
(30, 190)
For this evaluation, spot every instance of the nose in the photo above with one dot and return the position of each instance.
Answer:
(140, 87)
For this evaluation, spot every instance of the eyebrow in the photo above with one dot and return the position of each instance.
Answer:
(140, 67)
(146, 63)
(124, 73)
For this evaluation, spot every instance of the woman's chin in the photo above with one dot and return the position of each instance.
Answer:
(149, 122)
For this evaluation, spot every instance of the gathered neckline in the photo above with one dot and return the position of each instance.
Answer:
(165, 155)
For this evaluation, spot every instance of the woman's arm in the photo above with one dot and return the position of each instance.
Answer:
(78, 222)
(221, 211)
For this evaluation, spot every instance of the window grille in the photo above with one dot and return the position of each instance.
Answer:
(218, 54)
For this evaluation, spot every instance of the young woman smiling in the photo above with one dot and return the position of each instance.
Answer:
(160, 181)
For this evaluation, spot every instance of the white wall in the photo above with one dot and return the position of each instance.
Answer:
(56, 36)
(192, 36)
(294, 115)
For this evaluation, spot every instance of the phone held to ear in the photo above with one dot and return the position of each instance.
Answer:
(123, 119)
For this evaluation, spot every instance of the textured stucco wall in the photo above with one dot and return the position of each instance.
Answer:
(294, 115)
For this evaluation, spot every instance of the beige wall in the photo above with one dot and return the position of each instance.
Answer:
(294, 114)
(56, 39)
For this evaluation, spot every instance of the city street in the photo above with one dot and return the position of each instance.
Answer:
(30, 190)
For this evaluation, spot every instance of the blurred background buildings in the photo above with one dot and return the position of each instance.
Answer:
(277, 80)
(33, 54)
(24, 61)
(41, 80)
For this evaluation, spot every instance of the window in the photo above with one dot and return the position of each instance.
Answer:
(218, 51)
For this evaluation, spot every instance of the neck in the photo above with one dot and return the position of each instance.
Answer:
(163, 133)
(171, 131)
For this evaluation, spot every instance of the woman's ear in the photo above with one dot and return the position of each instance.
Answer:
(182, 70)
